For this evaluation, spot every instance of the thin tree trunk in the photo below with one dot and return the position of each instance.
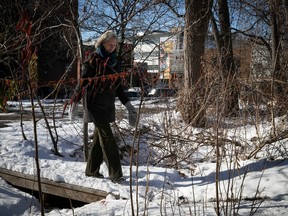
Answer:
(21, 120)
(285, 3)
(276, 46)
(227, 59)
(36, 150)
(55, 150)
(85, 140)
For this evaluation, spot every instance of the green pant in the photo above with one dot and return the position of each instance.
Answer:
(104, 147)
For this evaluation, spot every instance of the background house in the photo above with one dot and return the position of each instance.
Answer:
(147, 54)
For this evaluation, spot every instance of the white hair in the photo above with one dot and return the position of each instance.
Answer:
(108, 35)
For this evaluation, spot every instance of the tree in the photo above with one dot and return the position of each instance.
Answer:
(224, 43)
(276, 34)
(197, 16)
(33, 35)
(52, 32)
(265, 24)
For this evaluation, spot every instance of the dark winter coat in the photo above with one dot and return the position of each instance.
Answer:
(100, 88)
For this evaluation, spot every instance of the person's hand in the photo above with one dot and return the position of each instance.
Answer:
(132, 114)
(73, 110)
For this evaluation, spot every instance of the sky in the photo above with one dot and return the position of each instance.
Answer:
(188, 190)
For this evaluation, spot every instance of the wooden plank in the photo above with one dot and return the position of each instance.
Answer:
(61, 189)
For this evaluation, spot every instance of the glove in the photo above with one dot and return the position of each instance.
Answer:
(73, 111)
(132, 114)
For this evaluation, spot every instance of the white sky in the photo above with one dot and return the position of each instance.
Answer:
(166, 186)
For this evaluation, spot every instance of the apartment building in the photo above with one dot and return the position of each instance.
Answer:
(162, 53)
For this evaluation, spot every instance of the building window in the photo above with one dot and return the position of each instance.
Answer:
(153, 67)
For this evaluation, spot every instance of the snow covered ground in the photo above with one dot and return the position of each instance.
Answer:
(255, 184)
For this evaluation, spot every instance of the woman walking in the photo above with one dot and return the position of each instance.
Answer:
(99, 106)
